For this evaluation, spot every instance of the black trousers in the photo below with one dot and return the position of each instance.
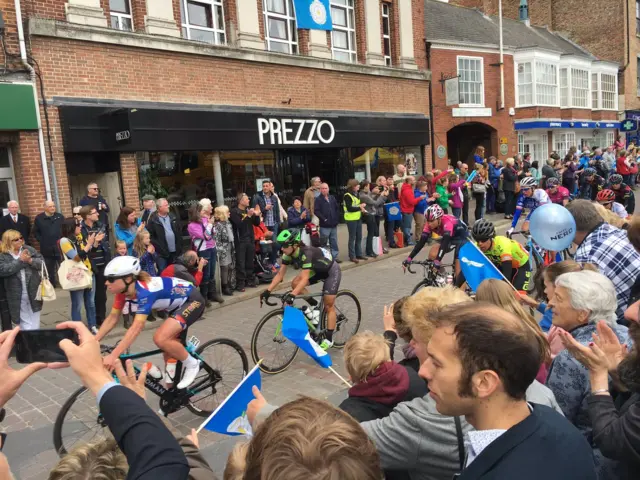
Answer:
(465, 209)
(52, 267)
(510, 202)
(101, 296)
(244, 264)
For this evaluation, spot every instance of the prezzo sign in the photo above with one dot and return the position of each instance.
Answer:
(122, 136)
(295, 131)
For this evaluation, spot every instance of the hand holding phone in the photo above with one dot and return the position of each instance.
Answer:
(42, 345)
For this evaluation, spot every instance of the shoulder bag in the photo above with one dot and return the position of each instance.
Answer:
(46, 292)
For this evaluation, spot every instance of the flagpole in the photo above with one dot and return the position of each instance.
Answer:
(340, 377)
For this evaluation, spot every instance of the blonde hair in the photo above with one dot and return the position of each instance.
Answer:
(120, 242)
(7, 240)
(311, 439)
(418, 308)
(500, 293)
(138, 243)
(221, 213)
(510, 161)
(236, 462)
(364, 353)
(609, 217)
(96, 461)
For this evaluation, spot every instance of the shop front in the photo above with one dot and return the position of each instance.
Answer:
(540, 138)
(186, 155)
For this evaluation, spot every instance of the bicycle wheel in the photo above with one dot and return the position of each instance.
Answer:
(269, 345)
(424, 283)
(230, 362)
(349, 314)
(79, 422)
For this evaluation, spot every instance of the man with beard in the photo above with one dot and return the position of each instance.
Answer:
(614, 408)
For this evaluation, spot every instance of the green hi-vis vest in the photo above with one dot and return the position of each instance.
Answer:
(352, 216)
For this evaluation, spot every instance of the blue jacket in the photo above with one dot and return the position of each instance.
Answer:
(494, 175)
(293, 217)
(422, 205)
(327, 211)
(126, 236)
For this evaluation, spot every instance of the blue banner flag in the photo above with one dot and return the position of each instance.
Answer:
(313, 14)
(476, 267)
(230, 418)
(294, 328)
(393, 211)
(472, 176)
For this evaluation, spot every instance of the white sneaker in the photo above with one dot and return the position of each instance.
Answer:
(189, 375)
(94, 330)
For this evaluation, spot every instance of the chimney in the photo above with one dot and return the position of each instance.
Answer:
(524, 12)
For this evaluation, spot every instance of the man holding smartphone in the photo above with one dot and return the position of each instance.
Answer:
(94, 199)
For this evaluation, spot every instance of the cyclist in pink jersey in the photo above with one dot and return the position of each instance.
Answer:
(453, 231)
(557, 193)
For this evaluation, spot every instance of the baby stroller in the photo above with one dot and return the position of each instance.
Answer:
(262, 268)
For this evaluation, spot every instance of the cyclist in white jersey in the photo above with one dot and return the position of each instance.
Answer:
(179, 298)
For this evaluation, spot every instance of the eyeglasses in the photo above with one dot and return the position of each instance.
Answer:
(525, 189)
(17, 239)
(112, 278)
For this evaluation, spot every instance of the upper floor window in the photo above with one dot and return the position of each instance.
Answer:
(525, 84)
(564, 87)
(343, 35)
(608, 91)
(580, 88)
(280, 29)
(638, 17)
(470, 70)
(386, 33)
(546, 84)
(594, 91)
(120, 13)
(203, 20)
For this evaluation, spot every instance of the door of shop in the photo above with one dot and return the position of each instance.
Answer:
(7, 184)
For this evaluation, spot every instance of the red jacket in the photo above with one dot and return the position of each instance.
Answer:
(621, 167)
(408, 201)
(180, 271)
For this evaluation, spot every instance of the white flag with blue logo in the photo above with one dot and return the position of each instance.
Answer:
(476, 267)
(295, 328)
(313, 14)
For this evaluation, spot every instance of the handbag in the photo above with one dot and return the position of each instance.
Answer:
(478, 188)
(377, 245)
(74, 276)
(399, 238)
(46, 292)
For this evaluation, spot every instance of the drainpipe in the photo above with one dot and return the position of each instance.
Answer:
(432, 135)
(501, 56)
(32, 74)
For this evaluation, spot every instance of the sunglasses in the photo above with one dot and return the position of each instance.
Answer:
(17, 239)
(113, 278)
(525, 189)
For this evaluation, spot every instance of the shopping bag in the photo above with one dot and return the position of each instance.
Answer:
(399, 238)
(74, 276)
(377, 245)
(46, 292)
(393, 211)
(306, 238)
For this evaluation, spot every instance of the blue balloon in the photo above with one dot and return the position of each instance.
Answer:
(552, 227)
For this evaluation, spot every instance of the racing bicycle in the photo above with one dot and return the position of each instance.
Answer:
(540, 258)
(80, 421)
(433, 276)
(276, 353)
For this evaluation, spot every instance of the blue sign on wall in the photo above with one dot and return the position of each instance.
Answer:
(313, 14)
(564, 124)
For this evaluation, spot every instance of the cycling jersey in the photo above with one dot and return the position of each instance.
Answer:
(589, 190)
(448, 224)
(163, 294)
(454, 234)
(504, 249)
(538, 198)
(559, 197)
(619, 210)
(317, 260)
(625, 197)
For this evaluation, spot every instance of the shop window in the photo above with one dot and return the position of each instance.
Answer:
(594, 91)
(546, 84)
(203, 20)
(281, 34)
(521, 149)
(343, 35)
(470, 70)
(580, 88)
(564, 141)
(608, 91)
(384, 160)
(564, 87)
(120, 13)
(525, 84)
(386, 33)
(243, 172)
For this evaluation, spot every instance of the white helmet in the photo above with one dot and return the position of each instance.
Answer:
(122, 266)
(528, 182)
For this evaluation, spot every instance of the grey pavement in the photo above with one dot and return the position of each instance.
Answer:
(32, 412)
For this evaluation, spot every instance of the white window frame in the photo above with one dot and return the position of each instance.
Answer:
(564, 87)
(289, 17)
(482, 98)
(519, 84)
(596, 99)
(563, 140)
(574, 69)
(121, 15)
(537, 66)
(349, 29)
(538, 59)
(186, 26)
(386, 37)
(611, 139)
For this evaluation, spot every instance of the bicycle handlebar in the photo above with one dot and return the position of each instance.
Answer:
(524, 233)
(282, 295)
(107, 348)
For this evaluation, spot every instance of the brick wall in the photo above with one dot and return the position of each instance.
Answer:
(445, 62)
(129, 172)
(419, 48)
(537, 112)
(138, 11)
(575, 113)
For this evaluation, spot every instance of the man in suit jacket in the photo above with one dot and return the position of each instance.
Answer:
(15, 221)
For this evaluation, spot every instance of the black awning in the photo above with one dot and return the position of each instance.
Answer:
(103, 129)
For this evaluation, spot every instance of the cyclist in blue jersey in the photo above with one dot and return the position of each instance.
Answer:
(179, 298)
(530, 198)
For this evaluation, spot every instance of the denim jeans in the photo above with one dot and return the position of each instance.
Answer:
(457, 212)
(406, 228)
(275, 246)
(86, 296)
(480, 199)
(372, 231)
(207, 272)
(491, 199)
(165, 262)
(331, 233)
(355, 238)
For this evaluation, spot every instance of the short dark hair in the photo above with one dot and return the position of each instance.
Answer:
(264, 182)
(68, 229)
(296, 198)
(239, 196)
(490, 338)
(86, 211)
(526, 155)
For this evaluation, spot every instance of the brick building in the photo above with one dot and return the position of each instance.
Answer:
(556, 94)
(188, 98)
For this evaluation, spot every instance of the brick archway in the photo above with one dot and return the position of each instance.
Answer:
(463, 139)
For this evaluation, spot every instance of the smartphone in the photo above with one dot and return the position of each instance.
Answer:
(42, 345)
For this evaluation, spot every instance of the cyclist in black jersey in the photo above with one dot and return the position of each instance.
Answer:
(317, 265)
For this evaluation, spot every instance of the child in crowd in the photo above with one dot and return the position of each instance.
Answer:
(455, 190)
(129, 308)
(441, 189)
(121, 248)
(393, 315)
(379, 383)
(146, 252)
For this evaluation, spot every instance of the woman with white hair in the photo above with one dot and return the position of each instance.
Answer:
(580, 301)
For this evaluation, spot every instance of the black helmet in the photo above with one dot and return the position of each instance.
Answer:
(552, 182)
(483, 230)
(589, 171)
(616, 179)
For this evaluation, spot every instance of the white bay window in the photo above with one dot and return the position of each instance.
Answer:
(546, 84)
(471, 72)
(609, 91)
(580, 88)
(537, 82)
(525, 84)
(594, 91)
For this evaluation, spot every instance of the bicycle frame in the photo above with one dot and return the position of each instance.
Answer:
(312, 328)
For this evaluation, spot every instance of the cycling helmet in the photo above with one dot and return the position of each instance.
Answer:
(616, 179)
(589, 171)
(552, 182)
(483, 230)
(287, 238)
(528, 182)
(122, 267)
(606, 196)
(434, 212)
